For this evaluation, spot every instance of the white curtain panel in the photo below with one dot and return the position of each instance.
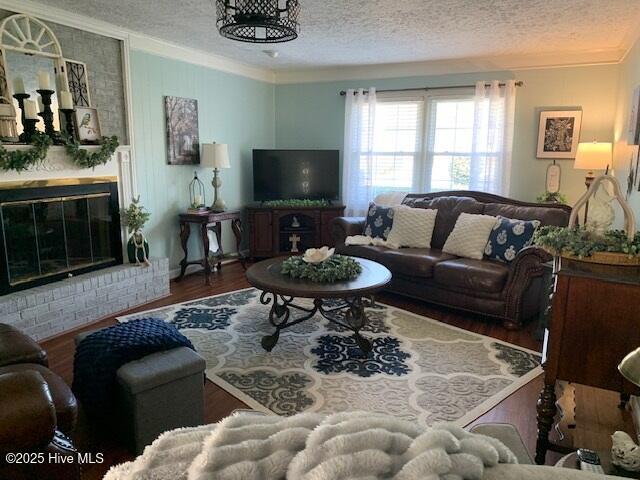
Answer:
(357, 164)
(493, 137)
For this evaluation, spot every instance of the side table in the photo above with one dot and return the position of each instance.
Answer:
(208, 220)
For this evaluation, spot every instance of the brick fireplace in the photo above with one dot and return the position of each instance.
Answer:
(55, 229)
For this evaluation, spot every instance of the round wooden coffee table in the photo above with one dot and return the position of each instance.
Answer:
(281, 291)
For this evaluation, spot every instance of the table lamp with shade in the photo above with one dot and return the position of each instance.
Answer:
(592, 156)
(216, 156)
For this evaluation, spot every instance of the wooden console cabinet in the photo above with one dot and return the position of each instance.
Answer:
(271, 228)
(595, 322)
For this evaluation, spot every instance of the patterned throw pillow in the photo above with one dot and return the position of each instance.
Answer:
(379, 221)
(508, 237)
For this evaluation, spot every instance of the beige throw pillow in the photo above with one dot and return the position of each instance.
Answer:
(470, 235)
(412, 227)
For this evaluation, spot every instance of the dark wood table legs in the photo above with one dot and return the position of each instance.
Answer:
(546, 409)
(208, 221)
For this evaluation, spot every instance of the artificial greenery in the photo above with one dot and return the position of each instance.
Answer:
(85, 159)
(335, 269)
(296, 203)
(548, 197)
(20, 160)
(583, 243)
(135, 216)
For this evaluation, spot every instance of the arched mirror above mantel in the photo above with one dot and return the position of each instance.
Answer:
(31, 59)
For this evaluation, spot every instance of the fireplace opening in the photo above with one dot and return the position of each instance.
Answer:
(52, 231)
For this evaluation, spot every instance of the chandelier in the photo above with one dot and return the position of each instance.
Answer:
(258, 21)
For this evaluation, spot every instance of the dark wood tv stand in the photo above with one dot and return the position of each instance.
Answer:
(270, 228)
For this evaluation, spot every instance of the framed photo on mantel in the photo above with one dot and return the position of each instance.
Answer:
(559, 133)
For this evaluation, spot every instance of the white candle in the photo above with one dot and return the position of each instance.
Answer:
(66, 102)
(18, 85)
(30, 110)
(40, 105)
(198, 200)
(44, 80)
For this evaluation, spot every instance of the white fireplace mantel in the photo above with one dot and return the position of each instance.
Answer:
(59, 165)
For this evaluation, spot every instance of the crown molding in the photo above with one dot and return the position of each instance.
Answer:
(138, 41)
(453, 66)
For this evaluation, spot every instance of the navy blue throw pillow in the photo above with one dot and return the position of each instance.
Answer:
(508, 237)
(379, 221)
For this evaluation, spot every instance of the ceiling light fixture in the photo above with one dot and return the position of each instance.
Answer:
(258, 21)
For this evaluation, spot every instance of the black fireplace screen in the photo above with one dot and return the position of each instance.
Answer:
(48, 238)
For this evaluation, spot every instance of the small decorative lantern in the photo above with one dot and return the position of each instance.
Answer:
(196, 194)
(8, 125)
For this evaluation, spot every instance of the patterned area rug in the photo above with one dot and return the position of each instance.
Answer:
(419, 369)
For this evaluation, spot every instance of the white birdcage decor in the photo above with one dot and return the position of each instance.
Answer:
(197, 194)
(8, 124)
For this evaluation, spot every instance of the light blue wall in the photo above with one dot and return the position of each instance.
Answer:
(625, 155)
(311, 115)
(232, 109)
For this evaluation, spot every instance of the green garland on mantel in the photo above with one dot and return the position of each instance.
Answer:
(335, 269)
(21, 160)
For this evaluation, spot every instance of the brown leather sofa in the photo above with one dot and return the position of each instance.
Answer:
(37, 409)
(509, 292)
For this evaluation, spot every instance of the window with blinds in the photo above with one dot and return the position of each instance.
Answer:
(449, 143)
(395, 145)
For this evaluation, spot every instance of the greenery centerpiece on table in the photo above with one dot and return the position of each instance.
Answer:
(583, 243)
(296, 203)
(322, 266)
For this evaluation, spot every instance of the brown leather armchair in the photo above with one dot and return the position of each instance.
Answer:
(36, 407)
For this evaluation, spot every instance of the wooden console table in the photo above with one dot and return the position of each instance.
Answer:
(595, 322)
(208, 221)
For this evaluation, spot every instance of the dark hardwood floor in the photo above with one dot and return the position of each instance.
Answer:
(597, 415)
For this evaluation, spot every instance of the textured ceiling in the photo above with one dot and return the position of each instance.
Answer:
(364, 32)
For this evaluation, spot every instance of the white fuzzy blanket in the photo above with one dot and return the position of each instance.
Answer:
(349, 445)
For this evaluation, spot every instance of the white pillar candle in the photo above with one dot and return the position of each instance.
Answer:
(30, 110)
(40, 105)
(66, 102)
(198, 199)
(44, 81)
(18, 85)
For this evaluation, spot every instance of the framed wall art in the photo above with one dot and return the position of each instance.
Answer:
(87, 125)
(559, 133)
(78, 81)
(183, 144)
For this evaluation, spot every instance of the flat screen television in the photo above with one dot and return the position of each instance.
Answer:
(295, 174)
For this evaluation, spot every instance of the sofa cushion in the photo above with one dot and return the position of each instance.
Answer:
(546, 215)
(412, 227)
(471, 274)
(63, 399)
(508, 237)
(414, 262)
(379, 221)
(449, 208)
(369, 252)
(469, 237)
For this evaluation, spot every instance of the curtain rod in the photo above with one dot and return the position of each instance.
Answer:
(519, 83)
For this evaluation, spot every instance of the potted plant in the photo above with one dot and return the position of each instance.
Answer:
(134, 218)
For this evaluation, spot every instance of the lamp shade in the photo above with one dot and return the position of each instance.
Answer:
(630, 367)
(593, 156)
(215, 155)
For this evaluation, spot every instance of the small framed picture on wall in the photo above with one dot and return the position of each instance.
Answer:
(559, 133)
